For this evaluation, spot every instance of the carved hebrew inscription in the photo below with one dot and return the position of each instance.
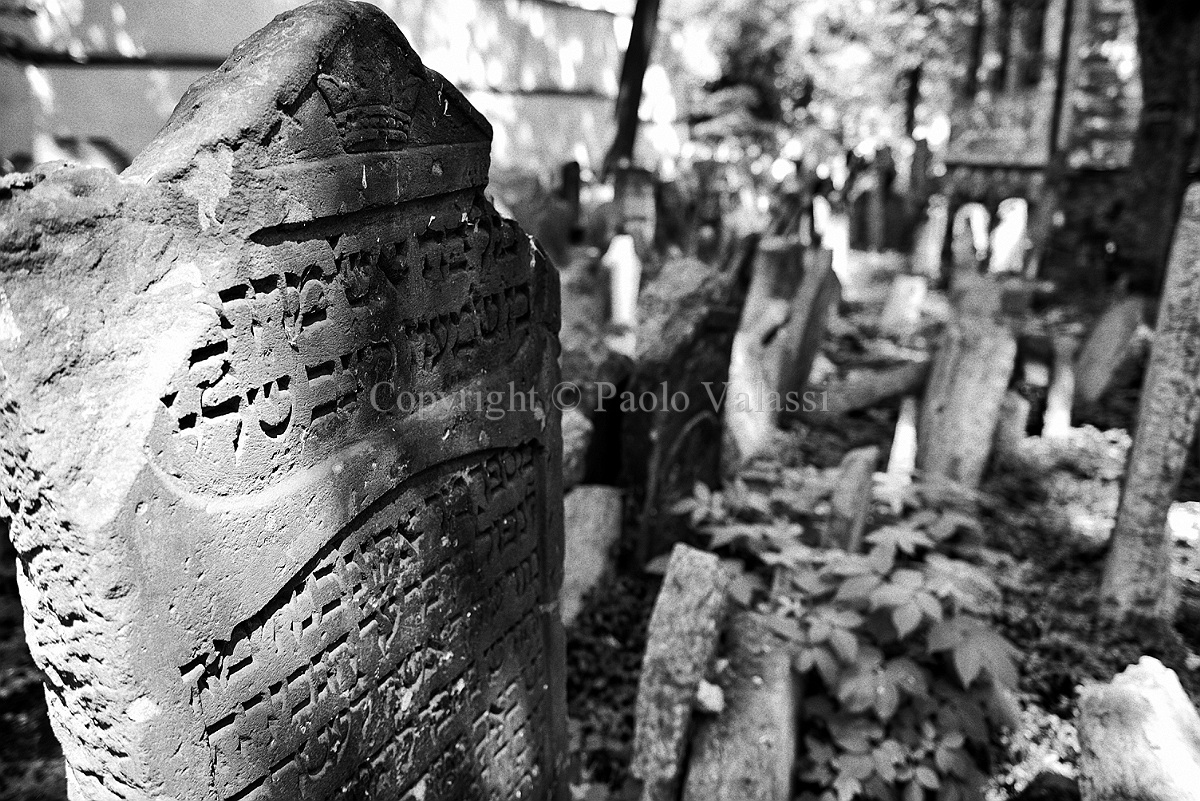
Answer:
(367, 651)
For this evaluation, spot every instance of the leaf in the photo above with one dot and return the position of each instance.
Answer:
(848, 564)
(720, 536)
(923, 518)
(887, 755)
(807, 581)
(855, 733)
(839, 618)
(927, 777)
(847, 787)
(906, 619)
(931, 607)
(819, 630)
(914, 792)
(787, 627)
(857, 588)
(882, 558)
(860, 766)
(827, 666)
(857, 690)
(845, 645)
(947, 634)
(890, 595)
(968, 661)
(684, 506)
(887, 699)
(907, 675)
(903, 538)
(964, 584)
(805, 659)
(908, 578)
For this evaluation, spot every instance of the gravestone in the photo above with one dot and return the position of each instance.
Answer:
(671, 408)
(253, 565)
(799, 341)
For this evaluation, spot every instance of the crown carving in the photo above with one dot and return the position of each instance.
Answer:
(370, 113)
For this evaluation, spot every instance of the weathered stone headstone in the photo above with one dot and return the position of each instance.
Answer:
(671, 428)
(748, 752)
(1139, 737)
(254, 564)
(851, 501)
(593, 515)
(778, 268)
(962, 402)
(1107, 347)
(799, 341)
(682, 641)
(1011, 424)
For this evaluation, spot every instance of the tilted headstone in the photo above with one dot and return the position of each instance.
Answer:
(1107, 348)
(254, 564)
(671, 428)
(799, 341)
(967, 384)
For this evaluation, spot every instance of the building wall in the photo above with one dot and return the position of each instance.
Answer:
(545, 73)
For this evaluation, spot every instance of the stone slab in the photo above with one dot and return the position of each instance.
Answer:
(593, 515)
(1107, 347)
(685, 628)
(252, 568)
(748, 751)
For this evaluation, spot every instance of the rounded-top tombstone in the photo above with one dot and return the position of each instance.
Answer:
(279, 464)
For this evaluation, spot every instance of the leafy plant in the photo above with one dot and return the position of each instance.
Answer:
(905, 676)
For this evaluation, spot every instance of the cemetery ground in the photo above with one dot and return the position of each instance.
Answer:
(1037, 525)
(239, 578)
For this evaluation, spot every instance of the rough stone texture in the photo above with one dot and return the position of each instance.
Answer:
(685, 628)
(865, 387)
(1110, 343)
(593, 525)
(851, 500)
(577, 437)
(1137, 574)
(800, 339)
(689, 316)
(747, 752)
(586, 359)
(246, 575)
(1011, 424)
(970, 375)
(1139, 737)
(754, 369)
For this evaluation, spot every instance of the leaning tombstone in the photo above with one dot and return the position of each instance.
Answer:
(671, 422)
(1109, 345)
(799, 340)
(748, 751)
(962, 402)
(252, 567)
(682, 642)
